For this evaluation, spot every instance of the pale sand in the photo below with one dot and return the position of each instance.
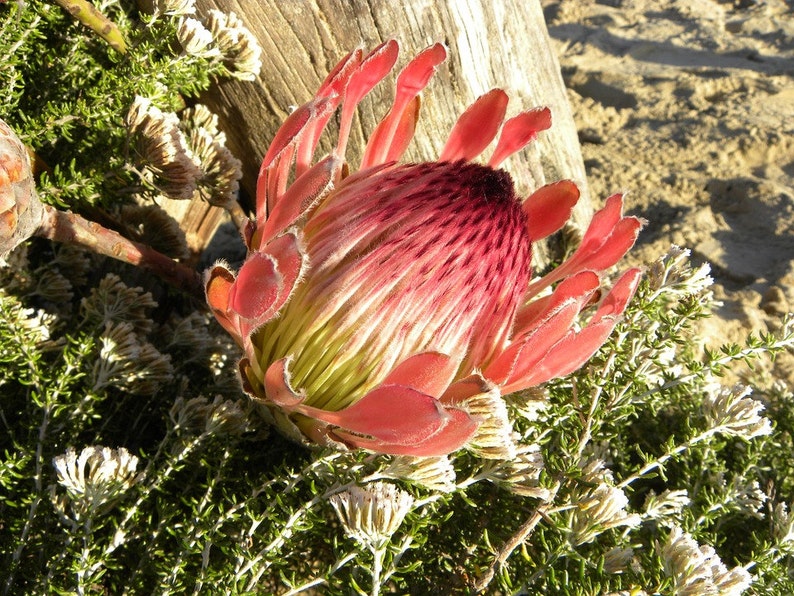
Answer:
(689, 106)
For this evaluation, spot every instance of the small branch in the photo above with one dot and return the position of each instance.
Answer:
(89, 15)
(660, 461)
(70, 228)
(516, 540)
(240, 219)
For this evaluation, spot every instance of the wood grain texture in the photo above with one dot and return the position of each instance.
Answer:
(491, 43)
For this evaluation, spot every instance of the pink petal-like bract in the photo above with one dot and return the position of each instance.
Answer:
(377, 305)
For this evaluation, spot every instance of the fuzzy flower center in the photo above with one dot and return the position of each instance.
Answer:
(403, 260)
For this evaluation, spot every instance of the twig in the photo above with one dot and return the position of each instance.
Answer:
(517, 539)
(70, 228)
(89, 15)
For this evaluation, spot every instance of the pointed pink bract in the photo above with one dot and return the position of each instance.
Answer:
(392, 135)
(574, 350)
(549, 207)
(456, 432)
(303, 193)
(376, 65)
(518, 132)
(476, 127)
(429, 373)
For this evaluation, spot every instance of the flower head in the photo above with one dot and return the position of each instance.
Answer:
(95, 478)
(385, 308)
(162, 147)
(735, 413)
(698, 570)
(21, 212)
(601, 508)
(371, 514)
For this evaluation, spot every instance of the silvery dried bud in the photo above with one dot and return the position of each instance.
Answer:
(602, 508)
(782, 524)
(595, 470)
(237, 44)
(221, 171)
(128, 363)
(434, 473)
(698, 570)
(196, 39)
(371, 514)
(199, 415)
(521, 474)
(661, 508)
(189, 414)
(617, 560)
(673, 273)
(734, 413)
(169, 164)
(113, 301)
(21, 212)
(747, 497)
(226, 417)
(96, 477)
(493, 438)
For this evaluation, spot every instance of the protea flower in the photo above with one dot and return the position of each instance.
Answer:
(391, 308)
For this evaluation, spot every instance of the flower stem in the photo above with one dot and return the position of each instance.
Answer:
(70, 228)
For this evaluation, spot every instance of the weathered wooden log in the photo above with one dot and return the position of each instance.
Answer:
(492, 43)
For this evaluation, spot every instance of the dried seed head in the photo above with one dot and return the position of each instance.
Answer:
(128, 363)
(167, 162)
(196, 39)
(199, 415)
(95, 478)
(494, 438)
(600, 509)
(112, 301)
(617, 560)
(782, 525)
(666, 506)
(434, 473)
(240, 50)
(520, 474)
(747, 497)
(672, 274)
(734, 413)
(52, 286)
(372, 514)
(698, 571)
(222, 171)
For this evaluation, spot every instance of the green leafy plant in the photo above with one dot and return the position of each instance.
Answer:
(132, 463)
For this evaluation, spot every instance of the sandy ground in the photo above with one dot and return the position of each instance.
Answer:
(689, 106)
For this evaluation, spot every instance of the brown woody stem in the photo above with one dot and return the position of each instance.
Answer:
(70, 228)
